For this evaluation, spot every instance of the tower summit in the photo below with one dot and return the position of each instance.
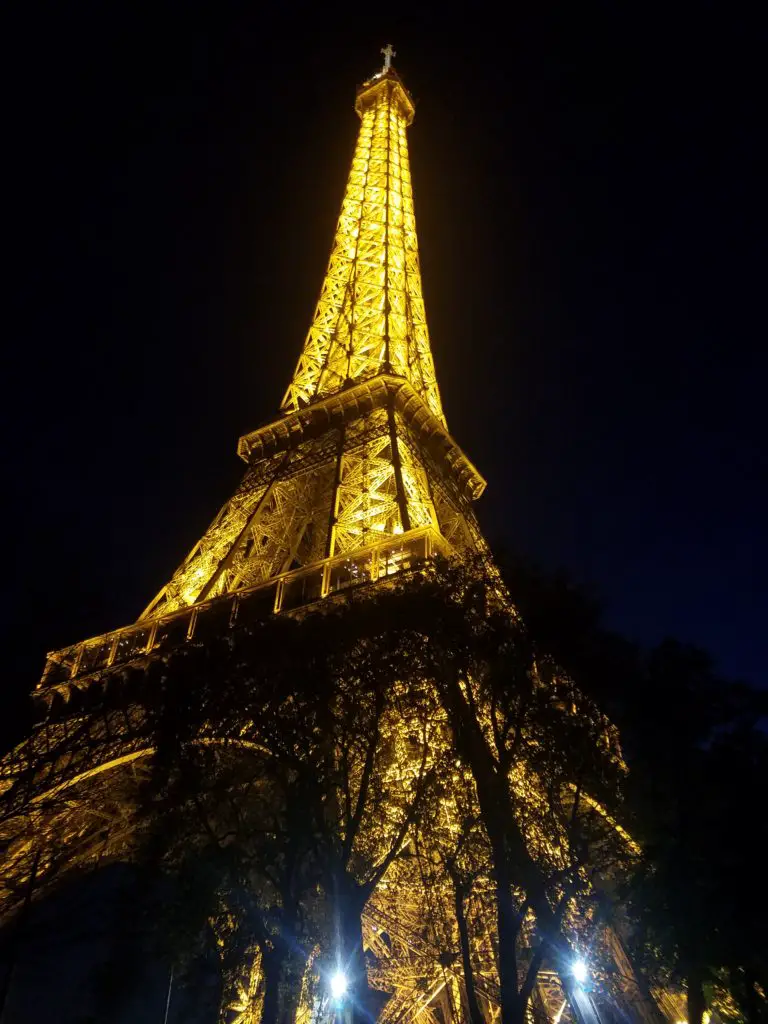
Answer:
(358, 477)
(370, 316)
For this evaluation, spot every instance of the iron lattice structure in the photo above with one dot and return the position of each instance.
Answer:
(357, 480)
(362, 456)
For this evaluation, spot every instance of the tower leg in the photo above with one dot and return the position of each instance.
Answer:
(244, 993)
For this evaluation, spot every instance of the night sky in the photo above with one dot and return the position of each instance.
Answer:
(593, 258)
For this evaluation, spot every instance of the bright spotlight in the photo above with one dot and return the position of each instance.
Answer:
(338, 985)
(579, 971)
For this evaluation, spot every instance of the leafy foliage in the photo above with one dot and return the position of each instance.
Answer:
(698, 757)
(413, 783)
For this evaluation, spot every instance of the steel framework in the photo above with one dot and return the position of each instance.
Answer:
(358, 479)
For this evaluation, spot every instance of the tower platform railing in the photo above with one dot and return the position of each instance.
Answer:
(287, 592)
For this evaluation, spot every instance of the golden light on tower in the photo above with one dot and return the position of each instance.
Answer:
(370, 316)
(359, 477)
(356, 480)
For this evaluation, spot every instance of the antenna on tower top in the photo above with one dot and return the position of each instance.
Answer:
(389, 53)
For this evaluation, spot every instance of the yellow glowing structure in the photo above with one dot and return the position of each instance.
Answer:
(357, 479)
(370, 317)
(362, 455)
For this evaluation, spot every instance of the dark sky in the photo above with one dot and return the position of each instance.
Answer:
(593, 255)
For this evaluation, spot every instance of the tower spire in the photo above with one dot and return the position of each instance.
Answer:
(389, 53)
(370, 316)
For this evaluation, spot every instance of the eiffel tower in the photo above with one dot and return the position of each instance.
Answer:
(355, 481)
(359, 476)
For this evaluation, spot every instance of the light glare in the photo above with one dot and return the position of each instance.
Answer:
(338, 985)
(579, 971)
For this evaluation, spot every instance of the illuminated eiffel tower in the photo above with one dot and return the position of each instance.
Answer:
(356, 480)
(359, 476)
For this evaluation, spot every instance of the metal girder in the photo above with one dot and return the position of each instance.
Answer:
(371, 463)
(370, 316)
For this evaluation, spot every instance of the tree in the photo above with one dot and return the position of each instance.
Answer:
(417, 734)
(336, 765)
(533, 746)
(696, 754)
(698, 900)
